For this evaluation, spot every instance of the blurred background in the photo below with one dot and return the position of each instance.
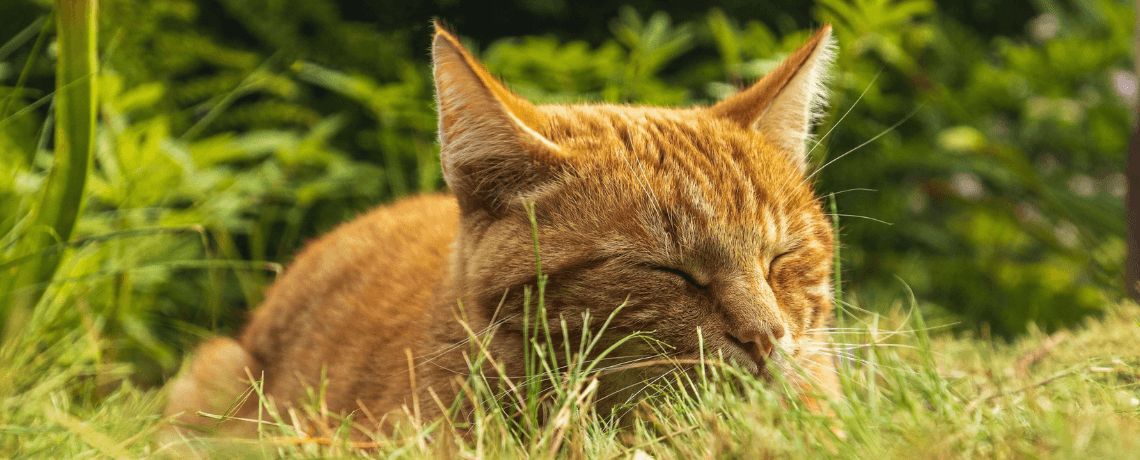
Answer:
(974, 151)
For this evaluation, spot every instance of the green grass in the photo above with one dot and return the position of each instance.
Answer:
(907, 394)
(54, 219)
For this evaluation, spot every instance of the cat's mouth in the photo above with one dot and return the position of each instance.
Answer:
(748, 356)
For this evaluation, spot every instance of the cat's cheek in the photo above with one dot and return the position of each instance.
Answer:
(644, 305)
(821, 384)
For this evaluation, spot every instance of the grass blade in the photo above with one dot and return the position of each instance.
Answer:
(55, 218)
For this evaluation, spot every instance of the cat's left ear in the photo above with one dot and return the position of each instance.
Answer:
(785, 103)
(491, 148)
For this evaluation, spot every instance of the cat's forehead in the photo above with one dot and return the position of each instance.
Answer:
(662, 136)
(678, 149)
(711, 182)
(629, 128)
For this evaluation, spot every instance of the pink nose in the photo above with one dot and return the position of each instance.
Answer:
(758, 343)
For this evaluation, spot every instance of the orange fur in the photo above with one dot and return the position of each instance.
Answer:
(696, 218)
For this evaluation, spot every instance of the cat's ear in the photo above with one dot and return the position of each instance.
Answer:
(786, 102)
(489, 139)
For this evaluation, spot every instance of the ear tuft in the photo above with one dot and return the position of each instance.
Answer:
(489, 137)
(786, 103)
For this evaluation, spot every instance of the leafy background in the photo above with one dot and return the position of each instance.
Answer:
(975, 150)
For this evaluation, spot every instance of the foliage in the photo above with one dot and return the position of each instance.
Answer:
(1007, 181)
(54, 218)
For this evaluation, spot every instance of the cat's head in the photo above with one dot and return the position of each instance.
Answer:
(698, 218)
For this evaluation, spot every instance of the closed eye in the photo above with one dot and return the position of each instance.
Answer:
(683, 274)
(781, 256)
(772, 266)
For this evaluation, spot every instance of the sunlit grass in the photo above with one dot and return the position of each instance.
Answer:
(907, 394)
(54, 218)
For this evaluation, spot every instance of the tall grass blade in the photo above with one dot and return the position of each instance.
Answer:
(838, 263)
(55, 218)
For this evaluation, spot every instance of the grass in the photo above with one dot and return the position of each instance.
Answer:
(909, 392)
(54, 219)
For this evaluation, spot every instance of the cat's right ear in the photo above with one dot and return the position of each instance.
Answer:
(491, 148)
(786, 102)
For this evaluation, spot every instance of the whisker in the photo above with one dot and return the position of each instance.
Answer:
(634, 395)
(861, 217)
(638, 382)
(849, 109)
(878, 338)
(853, 190)
(836, 125)
(429, 358)
(856, 346)
(868, 362)
(873, 139)
(538, 377)
(643, 185)
(851, 330)
(861, 384)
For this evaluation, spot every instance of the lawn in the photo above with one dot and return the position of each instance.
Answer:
(910, 391)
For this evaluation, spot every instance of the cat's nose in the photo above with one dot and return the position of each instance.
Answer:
(758, 342)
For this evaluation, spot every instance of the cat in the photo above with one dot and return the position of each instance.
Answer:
(695, 219)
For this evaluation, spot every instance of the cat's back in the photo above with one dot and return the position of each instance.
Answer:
(353, 300)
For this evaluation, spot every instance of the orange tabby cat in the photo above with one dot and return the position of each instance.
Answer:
(697, 218)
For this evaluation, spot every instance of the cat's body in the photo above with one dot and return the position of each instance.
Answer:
(694, 218)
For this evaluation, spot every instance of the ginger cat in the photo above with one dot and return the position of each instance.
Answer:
(695, 218)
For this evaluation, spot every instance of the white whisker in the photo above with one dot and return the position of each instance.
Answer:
(836, 125)
(644, 186)
(849, 109)
(873, 139)
(861, 217)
